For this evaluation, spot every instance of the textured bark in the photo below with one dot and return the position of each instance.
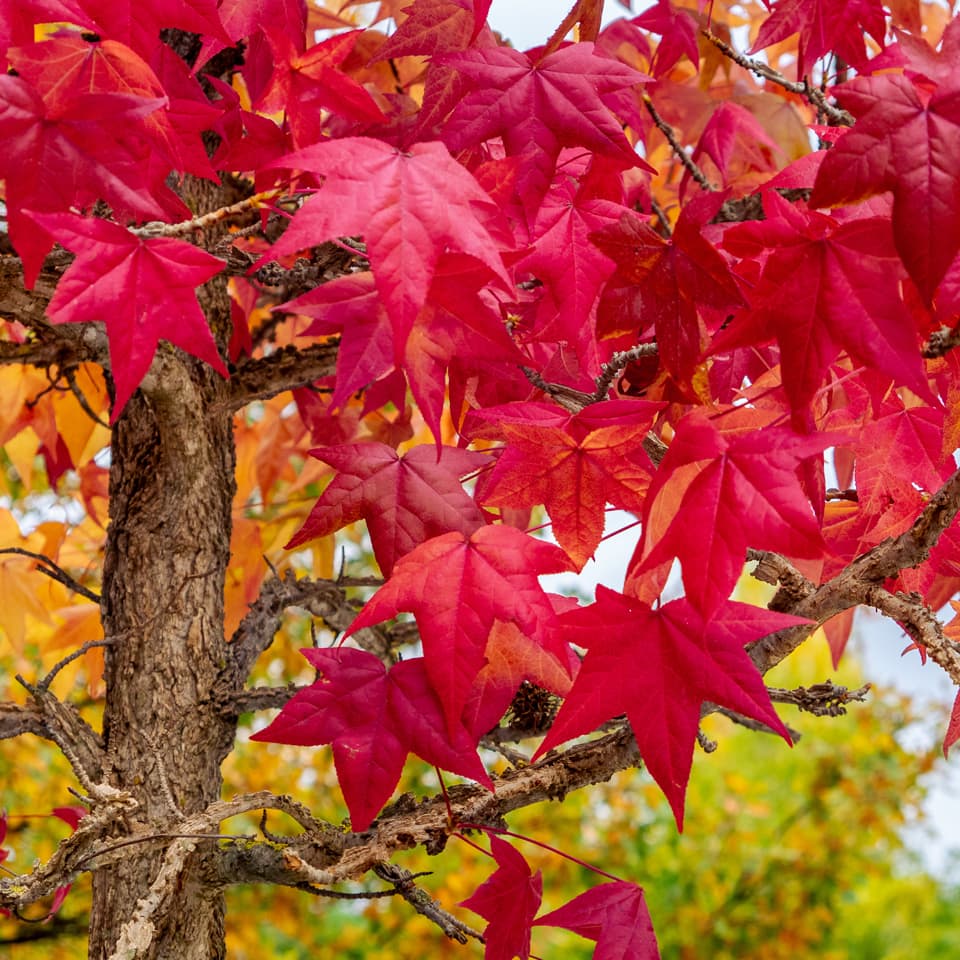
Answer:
(171, 489)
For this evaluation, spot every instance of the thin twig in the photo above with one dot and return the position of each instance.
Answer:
(71, 378)
(661, 216)
(421, 901)
(44, 684)
(825, 699)
(54, 572)
(689, 165)
(198, 224)
(815, 97)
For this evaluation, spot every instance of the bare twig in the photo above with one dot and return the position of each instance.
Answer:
(207, 220)
(425, 905)
(825, 699)
(814, 96)
(688, 163)
(49, 568)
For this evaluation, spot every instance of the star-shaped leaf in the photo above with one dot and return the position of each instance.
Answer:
(714, 496)
(373, 718)
(143, 289)
(405, 499)
(658, 666)
(457, 587)
(613, 914)
(662, 285)
(574, 467)
(824, 26)
(905, 136)
(508, 900)
(829, 287)
(410, 207)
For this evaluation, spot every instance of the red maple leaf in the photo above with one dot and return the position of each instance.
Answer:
(72, 154)
(714, 496)
(458, 587)
(539, 106)
(573, 464)
(456, 325)
(410, 207)
(511, 658)
(678, 35)
(142, 288)
(306, 83)
(613, 914)
(830, 287)
(906, 130)
(433, 27)
(658, 666)
(824, 26)
(571, 269)
(662, 285)
(373, 718)
(509, 900)
(405, 499)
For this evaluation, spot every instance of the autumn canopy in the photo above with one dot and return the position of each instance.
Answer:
(334, 307)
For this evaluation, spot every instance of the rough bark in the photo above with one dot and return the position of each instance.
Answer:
(171, 489)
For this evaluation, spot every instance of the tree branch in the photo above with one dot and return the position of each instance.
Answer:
(16, 720)
(815, 97)
(688, 164)
(861, 583)
(323, 598)
(286, 369)
(54, 571)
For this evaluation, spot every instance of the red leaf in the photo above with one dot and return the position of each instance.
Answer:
(573, 464)
(613, 914)
(903, 139)
(434, 27)
(824, 26)
(70, 815)
(512, 658)
(457, 588)
(537, 107)
(410, 207)
(405, 499)
(373, 718)
(71, 155)
(456, 325)
(304, 84)
(662, 285)
(143, 289)
(509, 900)
(953, 728)
(658, 666)
(712, 497)
(830, 286)
(678, 33)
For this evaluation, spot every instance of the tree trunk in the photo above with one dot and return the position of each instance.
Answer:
(171, 491)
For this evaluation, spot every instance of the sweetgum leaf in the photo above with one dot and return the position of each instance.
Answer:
(410, 207)
(613, 914)
(658, 666)
(572, 464)
(458, 587)
(904, 139)
(405, 499)
(712, 497)
(142, 289)
(509, 900)
(374, 719)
